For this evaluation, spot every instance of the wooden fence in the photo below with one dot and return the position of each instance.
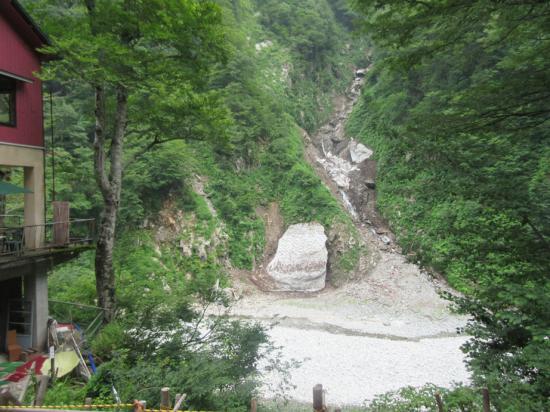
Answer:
(319, 402)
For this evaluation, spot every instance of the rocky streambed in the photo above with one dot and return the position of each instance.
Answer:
(386, 329)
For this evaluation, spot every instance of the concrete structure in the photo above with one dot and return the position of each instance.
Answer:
(23, 279)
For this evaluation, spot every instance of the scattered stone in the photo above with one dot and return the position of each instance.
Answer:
(359, 152)
(186, 249)
(263, 44)
(300, 263)
(338, 169)
(385, 239)
(202, 251)
(370, 184)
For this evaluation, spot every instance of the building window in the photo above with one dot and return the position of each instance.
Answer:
(7, 101)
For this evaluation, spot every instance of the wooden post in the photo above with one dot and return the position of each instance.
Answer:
(61, 215)
(179, 401)
(486, 400)
(439, 402)
(52, 364)
(88, 403)
(139, 406)
(318, 398)
(253, 405)
(42, 388)
(165, 398)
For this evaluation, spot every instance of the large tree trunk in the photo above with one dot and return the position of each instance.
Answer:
(109, 181)
(104, 270)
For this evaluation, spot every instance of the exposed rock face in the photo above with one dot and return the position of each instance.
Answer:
(300, 263)
(338, 169)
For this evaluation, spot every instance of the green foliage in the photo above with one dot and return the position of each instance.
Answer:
(161, 337)
(322, 61)
(454, 109)
(306, 198)
(458, 399)
(109, 341)
(239, 122)
(64, 392)
(216, 374)
(73, 283)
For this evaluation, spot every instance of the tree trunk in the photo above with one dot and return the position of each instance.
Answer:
(110, 186)
(104, 270)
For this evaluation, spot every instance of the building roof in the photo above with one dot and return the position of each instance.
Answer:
(24, 24)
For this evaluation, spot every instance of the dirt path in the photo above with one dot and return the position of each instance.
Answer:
(387, 329)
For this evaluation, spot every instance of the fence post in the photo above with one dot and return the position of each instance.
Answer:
(139, 406)
(180, 398)
(439, 402)
(486, 400)
(318, 398)
(88, 403)
(165, 398)
(42, 388)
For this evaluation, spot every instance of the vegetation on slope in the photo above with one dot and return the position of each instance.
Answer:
(456, 110)
(245, 146)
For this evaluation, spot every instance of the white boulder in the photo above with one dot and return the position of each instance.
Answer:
(359, 152)
(300, 263)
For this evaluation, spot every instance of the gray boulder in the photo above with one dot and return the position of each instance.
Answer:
(300, 263)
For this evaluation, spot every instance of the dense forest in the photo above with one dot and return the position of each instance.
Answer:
(456, 109)
(176, 121)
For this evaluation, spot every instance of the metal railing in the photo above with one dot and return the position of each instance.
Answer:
(17, 241)
(11, 220)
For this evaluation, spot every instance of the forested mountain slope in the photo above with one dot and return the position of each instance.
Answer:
(225, 145)
(456, 110)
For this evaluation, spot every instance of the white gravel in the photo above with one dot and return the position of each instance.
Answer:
(356, 368)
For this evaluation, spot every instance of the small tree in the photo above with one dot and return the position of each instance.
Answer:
(147, 63)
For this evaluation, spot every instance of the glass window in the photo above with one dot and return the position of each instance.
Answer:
(7, 101)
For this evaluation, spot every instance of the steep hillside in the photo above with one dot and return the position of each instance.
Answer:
(287, 61)
(455, 108)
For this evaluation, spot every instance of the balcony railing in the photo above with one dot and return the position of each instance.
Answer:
(20, 240)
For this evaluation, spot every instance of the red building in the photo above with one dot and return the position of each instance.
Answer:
(21, 92)
(29, 248)
(23, 284)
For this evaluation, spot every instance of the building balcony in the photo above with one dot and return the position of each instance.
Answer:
(21, 245)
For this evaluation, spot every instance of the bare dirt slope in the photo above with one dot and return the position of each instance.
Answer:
(386, 329)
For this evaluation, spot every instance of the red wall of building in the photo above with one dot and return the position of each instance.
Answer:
(17, 57)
